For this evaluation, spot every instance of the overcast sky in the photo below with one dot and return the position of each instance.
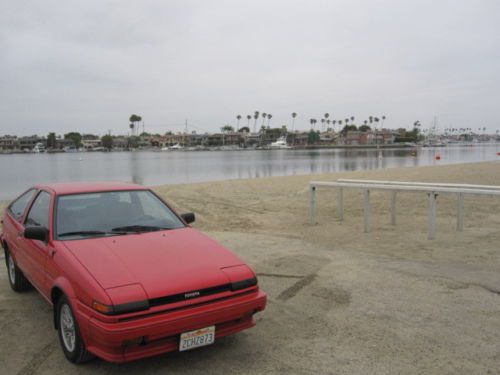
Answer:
(88, 65)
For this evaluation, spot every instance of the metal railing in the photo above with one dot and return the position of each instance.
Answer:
(432, 190)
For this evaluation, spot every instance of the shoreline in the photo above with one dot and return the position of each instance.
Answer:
(292, 148)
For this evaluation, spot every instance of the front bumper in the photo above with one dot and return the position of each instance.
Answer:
(159, 333)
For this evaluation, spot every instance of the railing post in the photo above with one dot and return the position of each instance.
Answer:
(393, 207)
(312, 205)
(340, 203)
(460, 212)
(432, 215)
(367, 210)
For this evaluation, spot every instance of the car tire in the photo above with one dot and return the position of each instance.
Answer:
(17, 281)
(69, 334)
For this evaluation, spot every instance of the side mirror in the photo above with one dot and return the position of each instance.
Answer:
(36, 233)
(188, 218)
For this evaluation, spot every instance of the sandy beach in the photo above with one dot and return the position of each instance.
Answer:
(340, 301)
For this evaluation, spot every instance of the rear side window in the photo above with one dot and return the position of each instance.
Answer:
(18, 207)
(39, 212)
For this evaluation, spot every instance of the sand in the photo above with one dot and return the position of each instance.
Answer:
(340, 301)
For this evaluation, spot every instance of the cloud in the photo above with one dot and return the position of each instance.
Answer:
(88, 65)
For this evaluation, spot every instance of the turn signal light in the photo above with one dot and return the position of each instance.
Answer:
(102, 308)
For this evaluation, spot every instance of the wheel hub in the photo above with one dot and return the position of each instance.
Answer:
(12, 270)
(67, 325)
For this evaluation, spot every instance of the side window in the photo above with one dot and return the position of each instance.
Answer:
(39, 212)
(18, 207)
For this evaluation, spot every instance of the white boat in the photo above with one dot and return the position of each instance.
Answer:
(177, 146)
(39, 148)
(280, 143)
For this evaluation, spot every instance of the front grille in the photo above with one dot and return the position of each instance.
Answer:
(189, 295)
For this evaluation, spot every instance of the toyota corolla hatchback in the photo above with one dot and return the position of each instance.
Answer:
(126, 275)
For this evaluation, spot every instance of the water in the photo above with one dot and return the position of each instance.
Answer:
(19, 171)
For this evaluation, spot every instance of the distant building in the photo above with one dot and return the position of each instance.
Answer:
(8, 143)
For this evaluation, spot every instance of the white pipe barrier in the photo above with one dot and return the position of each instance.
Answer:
(432, 190)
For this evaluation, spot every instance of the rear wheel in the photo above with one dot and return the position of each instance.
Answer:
(69, 334)
(17, 281)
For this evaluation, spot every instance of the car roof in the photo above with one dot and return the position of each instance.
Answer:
(63, 188)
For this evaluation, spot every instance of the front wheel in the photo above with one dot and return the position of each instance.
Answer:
(69, 334)
(17, 281)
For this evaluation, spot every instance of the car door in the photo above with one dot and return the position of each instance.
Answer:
(35, 252)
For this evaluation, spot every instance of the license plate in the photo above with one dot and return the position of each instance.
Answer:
(195, 339)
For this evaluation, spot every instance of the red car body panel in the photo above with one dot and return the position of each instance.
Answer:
(119, 270)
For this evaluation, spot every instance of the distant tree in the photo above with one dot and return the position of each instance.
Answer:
(227, 129)
(255, 117)
(75, 137)
(269, 117)
(133, 119)
(313, 122)
(51, 140)
(294, 114)
(348, 128)
(264, 116)
(107, 142)
(248, 122)
(364, 128)
(312, 137)
(327, 115)
(238, 124)
(244, 129)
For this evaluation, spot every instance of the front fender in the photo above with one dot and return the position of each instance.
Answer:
(61, 286)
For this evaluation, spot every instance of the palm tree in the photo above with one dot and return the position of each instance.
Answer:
(238, 118)
(327, 115)
(248, 122)
(133, 119)
(323, 124)
(383, 119)
(263, 117)
(352, 118)
(269, 116)
(293, 120)
(255, 116)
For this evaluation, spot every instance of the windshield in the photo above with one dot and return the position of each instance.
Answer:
(112, 213)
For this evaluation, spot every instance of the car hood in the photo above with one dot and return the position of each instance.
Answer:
(164, 263)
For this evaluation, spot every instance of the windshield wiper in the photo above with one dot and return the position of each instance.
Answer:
(89, 233)
(138, 228)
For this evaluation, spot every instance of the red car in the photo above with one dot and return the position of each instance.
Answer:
(127, 276)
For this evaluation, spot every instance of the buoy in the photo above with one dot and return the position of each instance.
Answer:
(438, 157)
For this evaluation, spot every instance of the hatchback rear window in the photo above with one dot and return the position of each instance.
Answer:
(18, 206)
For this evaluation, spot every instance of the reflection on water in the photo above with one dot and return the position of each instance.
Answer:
(19, 171)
